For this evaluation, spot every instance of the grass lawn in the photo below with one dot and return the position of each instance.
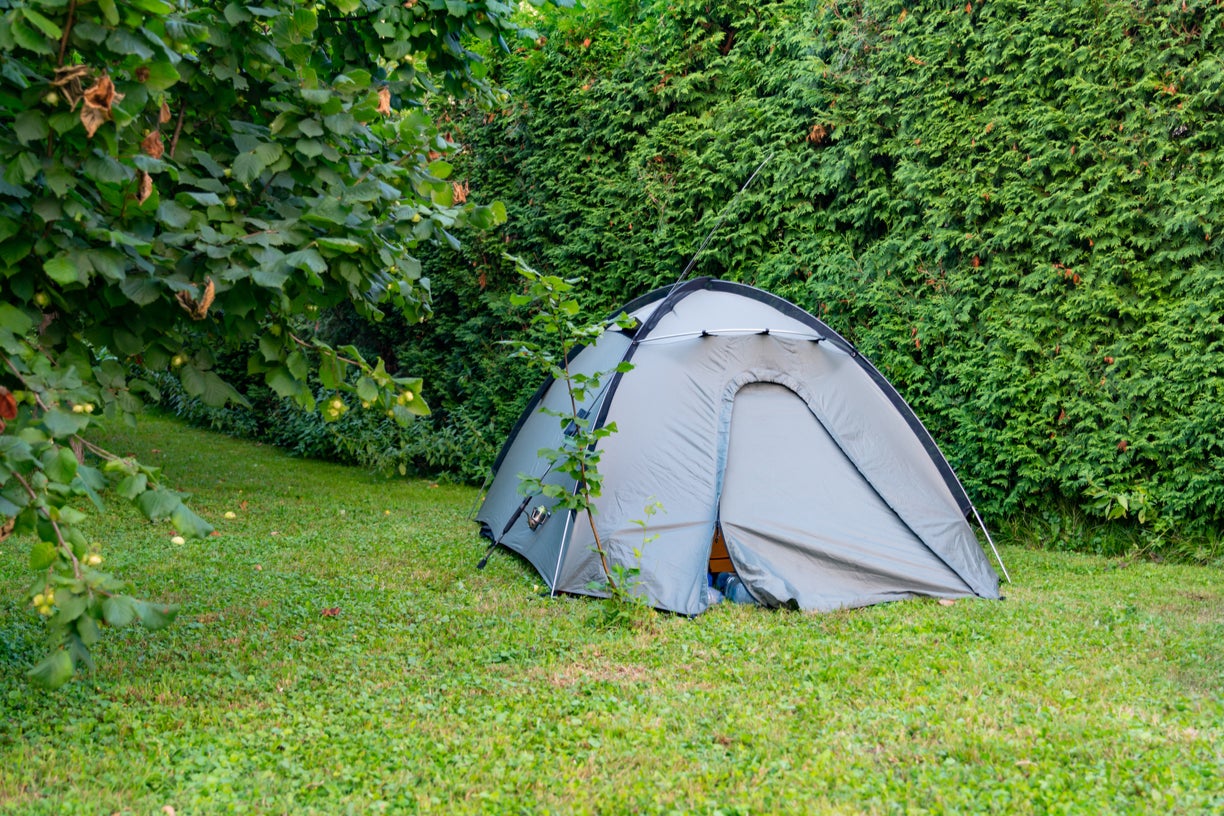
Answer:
(1096, 687)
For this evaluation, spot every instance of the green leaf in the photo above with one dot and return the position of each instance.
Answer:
(331, 371)
(367, 390)
(132, 485)
(14, 320)
(30, 126)
(63, 270)
(158, 503)
(60, 465)
(297, 365)
(439, 169)
(87, 630)
(118, 610)
(209, 388)
(310, 148)
(187, 522)
(155, 616)
(269, 152)
(40, 22)
(158, 7)
(7, 508)
(129, 43)
(304, 21)
(270, 277)
(69, 605)
(109, 12)
(141, 290)
(91, 482)
(173, 215)
(340, 124)
(14, 450)
(327, 211)
(29, 38)
(103, 168)
(162, 75)
(307, 259)
(347, 245)
(54, 671)
(60, 424)
(42, 555)
(417, 406)
(248, 166)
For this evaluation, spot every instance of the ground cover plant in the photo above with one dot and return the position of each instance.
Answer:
(338, 652)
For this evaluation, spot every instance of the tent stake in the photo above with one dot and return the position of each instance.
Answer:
(992, 545)
(485, 561)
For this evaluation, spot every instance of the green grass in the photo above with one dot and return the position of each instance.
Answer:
(1096, 687)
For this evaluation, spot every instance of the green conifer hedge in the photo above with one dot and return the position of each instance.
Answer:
(1013, 207)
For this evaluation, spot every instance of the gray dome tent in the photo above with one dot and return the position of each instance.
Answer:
(746, 416)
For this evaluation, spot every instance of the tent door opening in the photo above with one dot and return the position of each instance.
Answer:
(802, 525)
(720, 559)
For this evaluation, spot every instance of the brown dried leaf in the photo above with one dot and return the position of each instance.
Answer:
(99, 98)
(198, 309)
(818, 134)
(152, 145)
(8, 405)
(93, 118)
(102, 94)
(210, 293)
(384, 100)
(145, 188)
(69, 73)
(163, 116)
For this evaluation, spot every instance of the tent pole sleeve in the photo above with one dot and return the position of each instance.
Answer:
(480, 495)
(560, 554)
(992, 545)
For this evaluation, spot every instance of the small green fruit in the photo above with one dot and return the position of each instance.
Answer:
(42, 300)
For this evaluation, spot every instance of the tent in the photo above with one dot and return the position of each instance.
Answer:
(752, 423)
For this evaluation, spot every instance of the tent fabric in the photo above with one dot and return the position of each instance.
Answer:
(745, 412)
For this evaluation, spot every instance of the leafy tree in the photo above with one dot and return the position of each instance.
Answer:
(181, 178)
